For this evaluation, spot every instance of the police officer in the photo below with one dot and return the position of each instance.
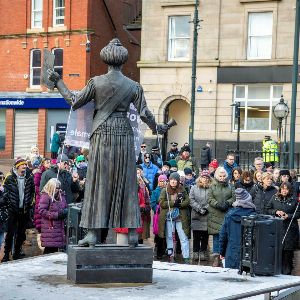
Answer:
(270, 150)
(174, 152)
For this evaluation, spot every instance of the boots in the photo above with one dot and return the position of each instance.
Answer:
(5, 258)
(133, 239)
(195, 256)
(217, 261)
(89, 240)
(203, 255)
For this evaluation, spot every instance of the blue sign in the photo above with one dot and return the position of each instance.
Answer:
(9, 102)
(199, 89)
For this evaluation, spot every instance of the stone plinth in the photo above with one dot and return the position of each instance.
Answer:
(110, 264)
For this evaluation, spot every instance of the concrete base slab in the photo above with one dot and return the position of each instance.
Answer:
(110, 264)
(45, 277)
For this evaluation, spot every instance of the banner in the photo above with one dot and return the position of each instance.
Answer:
(80, 127)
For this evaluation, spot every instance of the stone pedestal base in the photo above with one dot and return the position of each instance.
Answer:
(110, 264)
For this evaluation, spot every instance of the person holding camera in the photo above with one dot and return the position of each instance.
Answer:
(199, 205)
(284, 205)
(53, 209)
(174, 202)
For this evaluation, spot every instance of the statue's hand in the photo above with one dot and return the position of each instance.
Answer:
(162, 128)
(53, 76)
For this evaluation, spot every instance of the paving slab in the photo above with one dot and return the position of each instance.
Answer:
(45, 277)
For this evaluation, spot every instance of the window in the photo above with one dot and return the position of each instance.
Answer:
(35, 68)
(37, 14)
(257, 102)
(58, 61)
(58, 12)
(2, 128)
(179, 38)
(260, 35)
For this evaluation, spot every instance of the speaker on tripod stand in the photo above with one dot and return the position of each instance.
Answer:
(261, 245)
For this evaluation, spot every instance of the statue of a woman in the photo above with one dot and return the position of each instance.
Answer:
(110, 199)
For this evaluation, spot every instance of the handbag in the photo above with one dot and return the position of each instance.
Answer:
(156, 219)
(173, 214)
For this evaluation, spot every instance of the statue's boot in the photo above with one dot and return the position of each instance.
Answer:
(89, 240)
(133, 238)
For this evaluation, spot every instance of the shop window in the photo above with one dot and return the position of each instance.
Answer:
(58, 61)
(257, 102)
(260, 26)
(2, 128)
(36, 13)
(179, 38)
(58, 12)
(35, 68)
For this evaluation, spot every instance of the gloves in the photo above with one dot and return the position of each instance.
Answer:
(223, 206)
(162, 128)
(62, 214)
(53, 76)
(177, 203)
(203, 211)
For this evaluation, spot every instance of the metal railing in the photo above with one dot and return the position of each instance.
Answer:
(280, 160)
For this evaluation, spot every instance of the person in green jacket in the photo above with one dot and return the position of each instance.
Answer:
(55, 145)
(174, 203)
(221, 195)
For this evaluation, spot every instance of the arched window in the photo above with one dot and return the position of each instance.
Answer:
(35, 67)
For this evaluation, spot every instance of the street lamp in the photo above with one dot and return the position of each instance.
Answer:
(280, 112)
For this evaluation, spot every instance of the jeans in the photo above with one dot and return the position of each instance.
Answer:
(216, 244)
(184, 241)
(1, 238)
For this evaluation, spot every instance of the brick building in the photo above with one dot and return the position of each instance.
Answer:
(75, 31)
(245, 54)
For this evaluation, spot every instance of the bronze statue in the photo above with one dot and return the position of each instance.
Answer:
(110, 199)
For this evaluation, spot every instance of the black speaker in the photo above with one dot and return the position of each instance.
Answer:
(75, 233)
(261, 245)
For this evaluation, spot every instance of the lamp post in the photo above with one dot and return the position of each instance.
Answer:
(237, 116)
(280, 112)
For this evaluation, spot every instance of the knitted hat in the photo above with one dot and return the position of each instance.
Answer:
(80, 158)
(154, 148)
(214, 164)
(19, 162)
(204, 173)
(174, 144)
(173, 163)
(185, 148)
(162, 177)
(243, 199)
(284, 172)
(166, 163)
(188, 171)
(242, 195)
(175, 176)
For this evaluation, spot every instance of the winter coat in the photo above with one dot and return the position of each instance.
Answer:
(245, 186)
(189, 163)
(184, 211)
(149, 172)
(261, 197)
(155, 198)
(172, 154)
(67, 185)
(37, 181)
(3, 214)
(11, 192)
(288, 205)
(230, 236)
(52, 229)
(229, 168)
(218, 193)
(198, 200)
(144, 203)
(205, 155)
(55, 143)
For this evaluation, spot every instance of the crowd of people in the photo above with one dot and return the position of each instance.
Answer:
(181, 198)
